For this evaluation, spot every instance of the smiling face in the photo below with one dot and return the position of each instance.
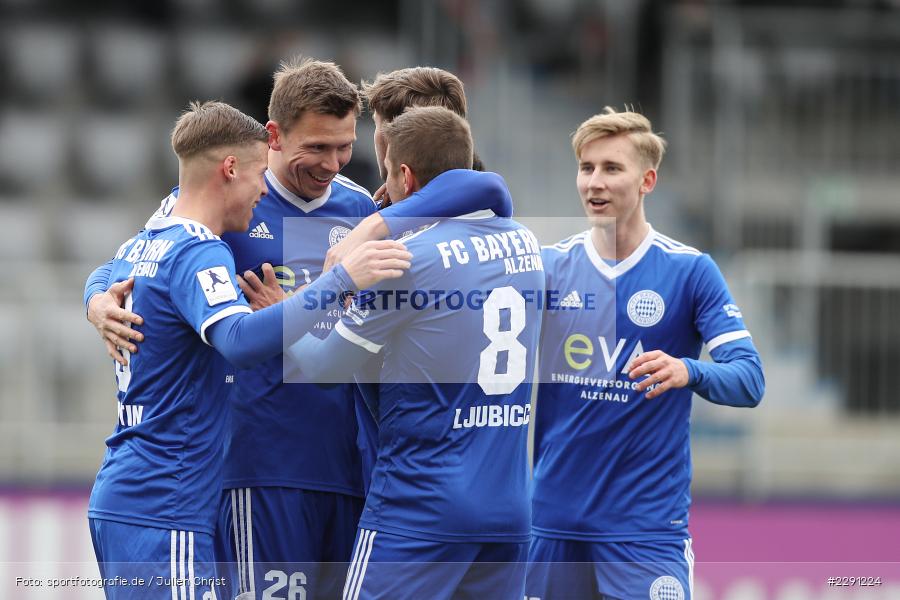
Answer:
(247, 186)
(612, 181)
(312, 152)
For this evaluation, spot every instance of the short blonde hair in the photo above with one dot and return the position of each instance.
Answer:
(392, 93)
(304, 84)
(429, 140)
(209, 125)
(650, 146)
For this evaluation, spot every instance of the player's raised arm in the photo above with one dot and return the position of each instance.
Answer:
(461, 191)
(246, 339)
(736, 377)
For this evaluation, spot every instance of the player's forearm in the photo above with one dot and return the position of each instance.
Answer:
(328, 360)
(248, 339)
(371, 228)
(450, 194)
(735, 379)
(97, 282)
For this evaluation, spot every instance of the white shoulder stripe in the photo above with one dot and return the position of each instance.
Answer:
(725, 338)
(559, 248)
(199, 231)
(350, 184)
(354, 338)
(418, 233)
(568, 243)
(667, 239)
(685, 250)
(674, 244)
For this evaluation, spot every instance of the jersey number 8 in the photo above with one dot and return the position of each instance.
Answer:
(491, 382)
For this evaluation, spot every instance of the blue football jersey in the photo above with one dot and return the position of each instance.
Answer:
(459, 332)
(163, 463)
(611, 465)
(297, 434)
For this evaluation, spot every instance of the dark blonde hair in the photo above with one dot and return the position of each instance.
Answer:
(392, 93)
(210, 125)
(429, 140)
(304, 84)
(650, 146)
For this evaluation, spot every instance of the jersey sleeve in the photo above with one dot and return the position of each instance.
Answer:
(450, 194)
(376, 313)
(203, 287)
(716, 316)
(97, 282)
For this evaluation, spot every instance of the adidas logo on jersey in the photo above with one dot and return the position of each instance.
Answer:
(573, 300)
(261, 231)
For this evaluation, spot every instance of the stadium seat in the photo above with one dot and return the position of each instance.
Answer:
(129, 63)
(33, 145)
(25, 234)
(115, 153)
(212, 62)
(43, 61)
(91, 232)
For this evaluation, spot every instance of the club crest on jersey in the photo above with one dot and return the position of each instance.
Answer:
(666, 588)
(336, 234)
(216, 285)
(646, 308)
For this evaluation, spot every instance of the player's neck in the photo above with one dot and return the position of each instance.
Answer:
(619, 241)
(201, 205)
(279, 171)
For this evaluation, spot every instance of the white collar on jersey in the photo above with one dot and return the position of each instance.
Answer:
(624, 266)
(306, 206)
(164, 222)
(477, 215)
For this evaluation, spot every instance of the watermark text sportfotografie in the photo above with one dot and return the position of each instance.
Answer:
(118, 581)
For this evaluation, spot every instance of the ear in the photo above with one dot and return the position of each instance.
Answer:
(275, 135)
(410, 181)
(649, 181)
(229, 166)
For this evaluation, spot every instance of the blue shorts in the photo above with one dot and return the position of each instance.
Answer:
(569, 569)
(278, 542)
(389, 566)
(146, 562)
